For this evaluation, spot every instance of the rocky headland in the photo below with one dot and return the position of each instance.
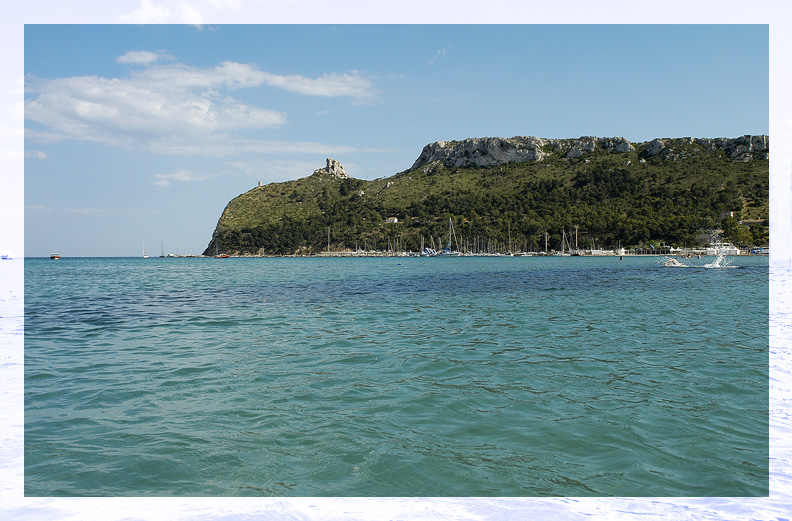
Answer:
(525, 190)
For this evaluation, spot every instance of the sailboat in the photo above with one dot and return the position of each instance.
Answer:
(145, 256)
(563, 242)
(447, 250)
(427, 251)
(162, 251)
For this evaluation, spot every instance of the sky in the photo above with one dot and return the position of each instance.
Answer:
(138, 135)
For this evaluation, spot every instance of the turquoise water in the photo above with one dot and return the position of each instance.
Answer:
(395, 377)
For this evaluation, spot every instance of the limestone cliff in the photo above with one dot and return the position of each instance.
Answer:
(492, 151)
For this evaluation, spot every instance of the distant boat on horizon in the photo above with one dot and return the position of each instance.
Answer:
(54, 256)
(144, 250)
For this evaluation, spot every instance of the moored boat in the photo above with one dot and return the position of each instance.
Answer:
(448, 250)
(219, 255)
(722, 248)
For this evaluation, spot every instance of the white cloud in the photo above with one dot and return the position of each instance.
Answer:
(136, 111)
(351, 84)
(143, 57)
(184, 176)
(35, 154)
(166, 106)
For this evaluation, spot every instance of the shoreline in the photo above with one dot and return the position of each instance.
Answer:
(405, 255)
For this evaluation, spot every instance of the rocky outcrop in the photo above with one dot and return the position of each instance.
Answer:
(488, 151)
(617, 144)
(334, 169)
(654, 147)
(589, 144)
(580, 147)
(739, 149)
(492, 151)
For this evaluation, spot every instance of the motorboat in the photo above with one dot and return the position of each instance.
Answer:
(722, 248)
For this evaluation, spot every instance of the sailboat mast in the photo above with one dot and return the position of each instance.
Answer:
(455, 237)
(576, 244)
(565, 241)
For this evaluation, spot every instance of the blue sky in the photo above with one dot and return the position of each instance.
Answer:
(142, 133)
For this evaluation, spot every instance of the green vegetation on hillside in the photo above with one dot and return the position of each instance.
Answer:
(613, 198)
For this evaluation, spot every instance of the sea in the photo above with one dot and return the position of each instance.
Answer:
(450, 378)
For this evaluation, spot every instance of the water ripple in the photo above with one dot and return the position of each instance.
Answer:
(357, 377)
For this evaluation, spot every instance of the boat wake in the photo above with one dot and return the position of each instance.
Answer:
(719, 262)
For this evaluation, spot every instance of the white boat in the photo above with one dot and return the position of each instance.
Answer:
(145, 256)
(722, 248)
(426, 251)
